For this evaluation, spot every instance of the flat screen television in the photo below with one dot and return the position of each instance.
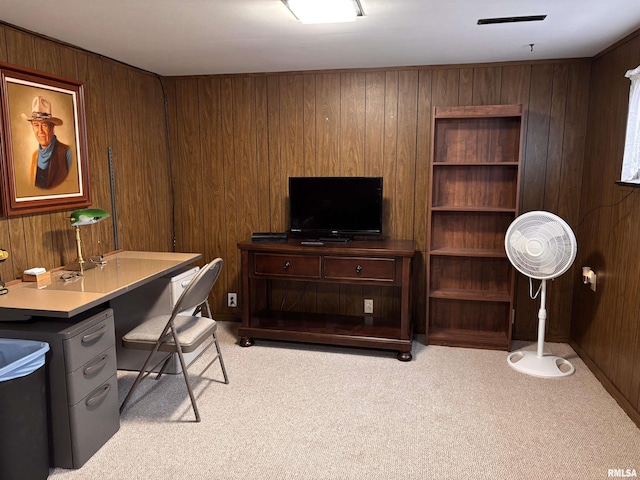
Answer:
(335, 208)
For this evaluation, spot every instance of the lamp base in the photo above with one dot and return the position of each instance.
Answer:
(79, 266)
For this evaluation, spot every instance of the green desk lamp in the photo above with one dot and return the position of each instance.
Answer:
(86, 216)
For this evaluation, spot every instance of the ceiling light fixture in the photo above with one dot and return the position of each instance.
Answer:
(529, 18)
(325, 11)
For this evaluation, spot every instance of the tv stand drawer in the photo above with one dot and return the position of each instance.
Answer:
(354, 268)
(287, 265)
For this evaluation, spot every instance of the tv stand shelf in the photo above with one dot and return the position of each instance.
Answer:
(371, 263)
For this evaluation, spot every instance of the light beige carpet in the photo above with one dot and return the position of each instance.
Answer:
(300, 412)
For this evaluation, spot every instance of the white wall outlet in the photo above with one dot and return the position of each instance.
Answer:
(368, 305)
(232, 299)
(589, 277)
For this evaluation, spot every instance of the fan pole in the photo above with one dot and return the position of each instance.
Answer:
(542, 318)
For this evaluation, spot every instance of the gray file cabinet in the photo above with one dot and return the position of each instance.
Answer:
(82, 388)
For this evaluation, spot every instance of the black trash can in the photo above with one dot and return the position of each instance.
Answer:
(24, 444)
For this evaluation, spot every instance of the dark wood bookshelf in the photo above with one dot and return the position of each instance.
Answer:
(474, 197)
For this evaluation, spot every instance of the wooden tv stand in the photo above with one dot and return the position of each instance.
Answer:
(372, 263)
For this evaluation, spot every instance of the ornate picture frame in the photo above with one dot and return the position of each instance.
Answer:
(43, 143)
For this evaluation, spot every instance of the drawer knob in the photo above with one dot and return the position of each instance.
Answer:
(287, 265)
(358, 268)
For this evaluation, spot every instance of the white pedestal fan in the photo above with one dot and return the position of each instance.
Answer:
(542, 246)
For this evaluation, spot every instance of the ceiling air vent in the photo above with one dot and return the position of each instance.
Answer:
(530, 18)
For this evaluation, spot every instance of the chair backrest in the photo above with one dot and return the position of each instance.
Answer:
(198, 289)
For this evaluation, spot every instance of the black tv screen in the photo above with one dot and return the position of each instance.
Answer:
(335, 207)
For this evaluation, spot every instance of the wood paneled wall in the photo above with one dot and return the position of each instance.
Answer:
(236, 139)
(125, 111)
(605, 326)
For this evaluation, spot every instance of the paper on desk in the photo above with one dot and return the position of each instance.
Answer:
(35, 271)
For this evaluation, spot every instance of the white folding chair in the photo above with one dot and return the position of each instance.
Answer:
(179, 334)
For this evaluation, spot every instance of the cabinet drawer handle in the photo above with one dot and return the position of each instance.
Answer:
(97, 398)
(91, 369)
(95, 335)
(287, 265)
(358, 268)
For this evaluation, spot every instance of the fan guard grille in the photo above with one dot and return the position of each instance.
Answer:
(540, 245)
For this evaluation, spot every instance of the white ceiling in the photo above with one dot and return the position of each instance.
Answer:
(189, 37)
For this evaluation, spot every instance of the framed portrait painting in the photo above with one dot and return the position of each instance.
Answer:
(43, 140)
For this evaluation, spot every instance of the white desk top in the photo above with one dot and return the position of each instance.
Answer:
(124, 271)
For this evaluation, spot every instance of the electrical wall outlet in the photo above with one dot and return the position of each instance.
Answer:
(232, 299)
(368, 305)
(589, 277)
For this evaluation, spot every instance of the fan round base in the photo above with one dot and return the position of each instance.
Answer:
(547, 366)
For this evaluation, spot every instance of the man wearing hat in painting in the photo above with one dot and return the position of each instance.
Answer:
(51, 162)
